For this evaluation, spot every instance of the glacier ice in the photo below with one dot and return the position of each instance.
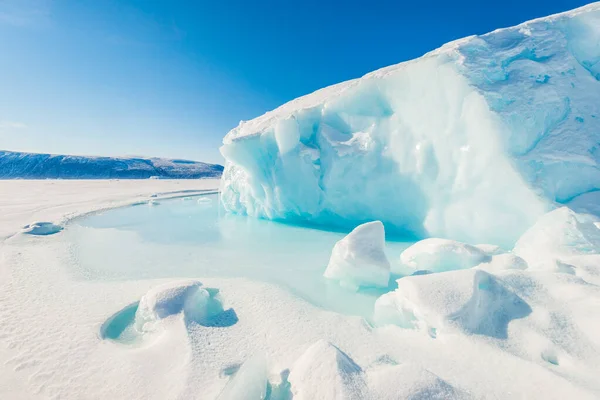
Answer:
(438, 255)
(359, 258)
(472, 141)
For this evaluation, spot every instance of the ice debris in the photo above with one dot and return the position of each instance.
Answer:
(359, 258)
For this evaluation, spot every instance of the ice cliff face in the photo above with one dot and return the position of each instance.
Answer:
(473, 141)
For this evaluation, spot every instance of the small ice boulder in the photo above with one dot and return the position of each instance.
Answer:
(359, 258)
(204, 200)
(188, 297)
(153, 203)
(41, 228)
(439, 255)
(325, 372)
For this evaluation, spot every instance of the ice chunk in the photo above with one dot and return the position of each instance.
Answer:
(41, 228)
(153, 202)
(437, 255)
(557, 236)
(249, 382)
(472, 301)
(359, 258)
(326, 372)
(204, 200)
(198, 304)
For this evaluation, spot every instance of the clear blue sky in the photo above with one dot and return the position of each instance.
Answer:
(170, 78)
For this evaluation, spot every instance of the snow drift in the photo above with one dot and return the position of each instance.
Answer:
(472, 141)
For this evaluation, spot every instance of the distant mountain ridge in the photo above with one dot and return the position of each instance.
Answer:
(18, 165)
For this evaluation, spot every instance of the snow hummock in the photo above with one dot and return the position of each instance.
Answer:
(438, 255)
(473, 141)
(359, 258)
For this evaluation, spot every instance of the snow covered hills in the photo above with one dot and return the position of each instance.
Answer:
(15, 165)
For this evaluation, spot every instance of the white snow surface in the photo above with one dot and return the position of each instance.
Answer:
(359, 258)
(472, 141)
(469, 333)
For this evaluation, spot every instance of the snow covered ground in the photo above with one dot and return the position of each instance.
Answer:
(485, 332)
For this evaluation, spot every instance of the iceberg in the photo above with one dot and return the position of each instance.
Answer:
(359, 258)
(467, 142)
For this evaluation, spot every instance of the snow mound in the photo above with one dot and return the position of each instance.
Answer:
(431, 147)
(326, 372)
(406, 381)
(41, 228)
(197, 304)
(359, 258)
(438, 255)
(557, 237)
(471, 301)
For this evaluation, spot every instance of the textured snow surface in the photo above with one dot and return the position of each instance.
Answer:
(478, 333)
(15, 165)
(359, 259)
(472, 141)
